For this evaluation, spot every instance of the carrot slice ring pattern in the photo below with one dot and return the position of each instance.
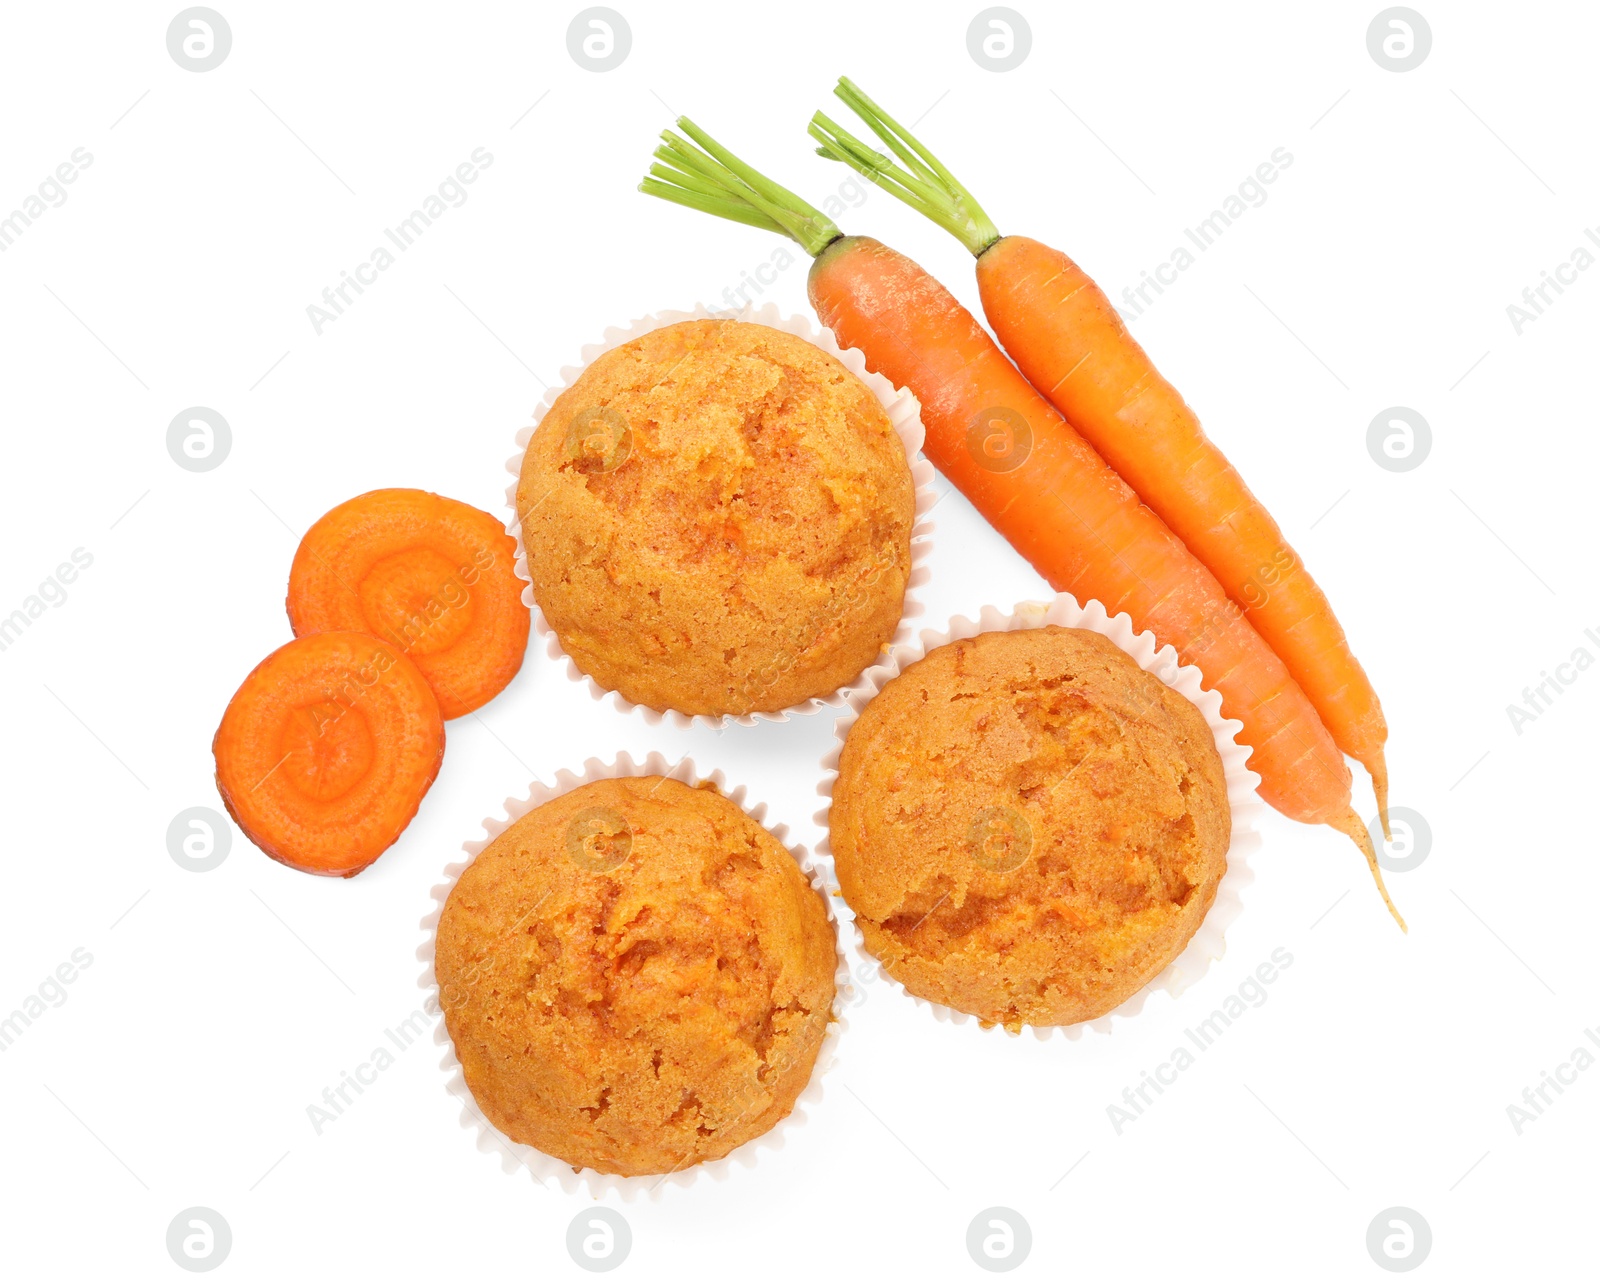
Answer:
(432, 576)
(327, 749)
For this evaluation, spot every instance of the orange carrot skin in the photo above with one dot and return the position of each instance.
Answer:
(1068, 339)
(1073, 518)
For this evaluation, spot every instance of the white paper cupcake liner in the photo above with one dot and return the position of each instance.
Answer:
(1208, 943)
(515, 1156)
(905, 413)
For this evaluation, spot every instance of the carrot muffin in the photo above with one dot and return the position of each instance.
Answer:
(637, 977)
(717, 517)
(1029, 826)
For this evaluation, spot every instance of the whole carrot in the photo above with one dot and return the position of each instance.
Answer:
(1066, 336)
(1067, 512)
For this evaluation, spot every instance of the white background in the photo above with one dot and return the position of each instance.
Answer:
(218, 1006)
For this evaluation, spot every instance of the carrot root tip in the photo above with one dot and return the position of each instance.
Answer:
(1379, 769)
(1351, 825)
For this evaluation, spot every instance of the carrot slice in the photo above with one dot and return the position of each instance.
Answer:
(432, 576)
(327, 749)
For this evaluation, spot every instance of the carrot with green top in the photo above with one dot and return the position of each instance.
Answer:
(1066, 511)
(1066, 336)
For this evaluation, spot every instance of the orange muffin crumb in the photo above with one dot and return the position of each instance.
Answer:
(637, 977)
(717, 517)
(1028, 826)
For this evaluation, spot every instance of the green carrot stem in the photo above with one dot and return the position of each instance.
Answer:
(838, 142)
(896, 135)
(666, 171)
(729, 209)
(702, 169)
(712, 179)
(923, 183)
